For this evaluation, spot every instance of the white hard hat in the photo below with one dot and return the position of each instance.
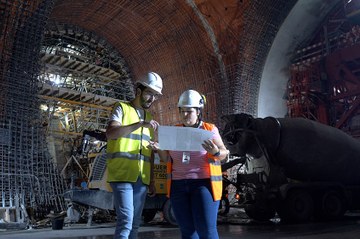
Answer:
(191, 98)
(152, 81)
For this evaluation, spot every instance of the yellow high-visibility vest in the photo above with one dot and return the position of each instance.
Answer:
(128, 157)
(215, 171)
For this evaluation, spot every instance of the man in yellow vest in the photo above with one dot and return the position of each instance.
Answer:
(129, 160)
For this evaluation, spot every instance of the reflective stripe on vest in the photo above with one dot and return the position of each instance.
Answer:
(128, 156)
(137, 137)
(215, 171)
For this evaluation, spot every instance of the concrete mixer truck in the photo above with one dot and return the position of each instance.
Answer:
(310, 170)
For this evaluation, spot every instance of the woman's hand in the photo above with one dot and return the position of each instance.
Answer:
(210, 147)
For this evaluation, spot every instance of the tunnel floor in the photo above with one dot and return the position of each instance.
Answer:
(232, 226)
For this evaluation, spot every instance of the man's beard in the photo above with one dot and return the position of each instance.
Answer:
(145, 104)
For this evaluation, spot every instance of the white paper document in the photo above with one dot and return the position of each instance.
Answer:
(182, 138)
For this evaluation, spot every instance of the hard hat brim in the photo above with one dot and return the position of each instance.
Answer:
(148, 86)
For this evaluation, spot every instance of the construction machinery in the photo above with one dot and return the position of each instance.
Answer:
(295, 167)
(97, 193)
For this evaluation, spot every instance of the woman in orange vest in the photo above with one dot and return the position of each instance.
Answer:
(195, 178)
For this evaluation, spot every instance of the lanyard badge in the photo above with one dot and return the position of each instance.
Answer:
(186, 157)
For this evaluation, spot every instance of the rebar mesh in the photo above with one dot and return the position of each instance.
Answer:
(28, 176)
(82, 75)
(185, 54)
(261, 23)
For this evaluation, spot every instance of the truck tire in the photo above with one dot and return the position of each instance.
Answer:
(148, 215)
(260, 214)
(332, 206)
(298, 206)
(168, 213)
(224, 206)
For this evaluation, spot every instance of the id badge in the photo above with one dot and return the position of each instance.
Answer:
(186, 157)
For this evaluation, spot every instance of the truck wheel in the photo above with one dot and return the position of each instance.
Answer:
(148, 214)
(260, 214)
(168, 213)
(332, 206)
(224, 206)
(298, 206)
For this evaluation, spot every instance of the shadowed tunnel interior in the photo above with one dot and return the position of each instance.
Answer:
(63, 64)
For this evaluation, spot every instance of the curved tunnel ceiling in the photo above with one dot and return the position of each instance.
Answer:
(299, 26)
(217, 48)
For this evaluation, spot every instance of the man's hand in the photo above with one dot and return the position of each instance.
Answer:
(152, 124)
(152, 189)
(153, 145)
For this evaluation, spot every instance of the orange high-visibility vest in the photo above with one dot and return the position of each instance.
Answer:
(215, 171)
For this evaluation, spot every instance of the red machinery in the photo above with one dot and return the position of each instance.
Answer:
(325, 77)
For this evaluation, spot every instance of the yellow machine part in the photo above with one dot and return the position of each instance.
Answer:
(159, 177)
